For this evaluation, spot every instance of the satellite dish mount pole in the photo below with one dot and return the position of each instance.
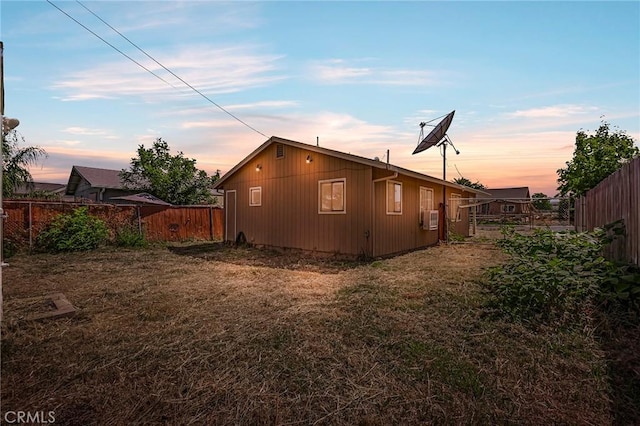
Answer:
(438, 137)
(444, 191)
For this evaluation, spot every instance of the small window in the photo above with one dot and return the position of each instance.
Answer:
(331, 196)
(508, 208)
(255, 196)
(279, 150)
(425, 207)
(454, 208)
(426, 199)
(394, 197)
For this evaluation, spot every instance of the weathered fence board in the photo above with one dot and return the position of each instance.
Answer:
(25, 219)
(615, 198)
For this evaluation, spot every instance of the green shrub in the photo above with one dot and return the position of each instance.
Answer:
(551, 277)
(129, 236)
(9, 248)
(75, 231)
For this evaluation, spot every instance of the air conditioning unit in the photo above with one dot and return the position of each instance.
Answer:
(433, 220)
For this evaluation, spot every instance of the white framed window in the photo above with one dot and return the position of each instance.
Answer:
(508, 208)
(255, 196)
(454, 207)
(394, 197)
(433, 220)
(425, 206)
(332, 196)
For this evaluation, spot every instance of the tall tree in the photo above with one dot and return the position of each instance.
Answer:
(172, 178)
(16, 162)
(466, 182)
(541, 201)
(595, 157)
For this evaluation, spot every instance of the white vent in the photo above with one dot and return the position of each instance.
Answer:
(433, 220)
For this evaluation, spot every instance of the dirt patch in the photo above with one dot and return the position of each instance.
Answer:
(168, 338)
(295, 260)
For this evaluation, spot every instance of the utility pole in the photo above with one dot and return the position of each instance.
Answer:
(6, 125)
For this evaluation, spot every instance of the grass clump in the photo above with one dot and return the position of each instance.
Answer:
(130, 236)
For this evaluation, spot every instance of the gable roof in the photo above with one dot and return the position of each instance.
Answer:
(508, 193)
(338, 154)
(96, 177)
(23, 188)
(142, 198)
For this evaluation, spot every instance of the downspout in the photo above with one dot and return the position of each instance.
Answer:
(373, 205)
(101, 194)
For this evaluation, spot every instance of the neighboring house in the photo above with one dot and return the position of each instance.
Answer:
(502, 201)
(49, 190)
(289, 194)
(218, 197)
(97, 185)
(141, 198)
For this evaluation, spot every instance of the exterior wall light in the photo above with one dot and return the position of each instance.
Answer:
(309, 159)
(258, 167)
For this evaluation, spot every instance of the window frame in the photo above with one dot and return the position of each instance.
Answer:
(393, 183)
(424, 214)
(344, 195)
(458, 216)
(504, 208)
(251, 190)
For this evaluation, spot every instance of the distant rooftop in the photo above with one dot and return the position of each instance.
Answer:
(99, 178)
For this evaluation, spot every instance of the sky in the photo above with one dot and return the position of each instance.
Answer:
(359, 77)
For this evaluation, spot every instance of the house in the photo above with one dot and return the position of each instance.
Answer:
(95, 184)
(141, 198)
(289, 194)
(217, 197)
(39, 190)
(501, 201)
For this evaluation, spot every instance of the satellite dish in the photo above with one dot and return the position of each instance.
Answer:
(436, 135)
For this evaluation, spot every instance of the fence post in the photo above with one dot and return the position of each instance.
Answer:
(211, 233)
(30, 229)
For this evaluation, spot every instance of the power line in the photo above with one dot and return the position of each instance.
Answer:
(168, 70)
(153, 59)
(111, 45)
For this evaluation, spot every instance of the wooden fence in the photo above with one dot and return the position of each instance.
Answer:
(615, 198)
(25, 219)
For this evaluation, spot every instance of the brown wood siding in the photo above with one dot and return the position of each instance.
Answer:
(615, 198)
(461, 227)
(288, 216)
(397, 233)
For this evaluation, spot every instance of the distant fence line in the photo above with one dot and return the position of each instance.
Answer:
(26, 219)
(615, 198)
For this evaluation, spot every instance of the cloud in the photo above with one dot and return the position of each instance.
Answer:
(210, 70)
(85, 131)
(553, 111)
(340, 71)
(262, 104)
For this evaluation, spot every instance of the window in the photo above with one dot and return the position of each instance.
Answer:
(426, 206)
(279, 150)
(331, 196)
(454, 208)
(508, 208)
(255, 196)
(394, 197)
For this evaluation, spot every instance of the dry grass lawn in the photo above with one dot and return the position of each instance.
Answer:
(204, 335)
